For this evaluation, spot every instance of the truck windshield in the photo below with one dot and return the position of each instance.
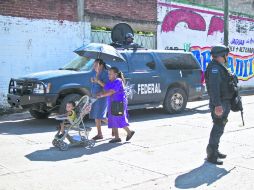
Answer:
(79, 64)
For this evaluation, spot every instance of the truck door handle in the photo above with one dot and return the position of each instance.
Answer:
(155, 76)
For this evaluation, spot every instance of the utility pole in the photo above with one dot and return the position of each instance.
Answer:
(226, 22)
(81, 10)
(82, 18)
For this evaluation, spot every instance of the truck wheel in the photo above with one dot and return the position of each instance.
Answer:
(69, 97)
(39, 115)
(175, 100)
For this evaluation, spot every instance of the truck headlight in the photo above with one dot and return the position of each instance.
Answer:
(42, 88)
(11, 90)
(39, 89)
(12, 86)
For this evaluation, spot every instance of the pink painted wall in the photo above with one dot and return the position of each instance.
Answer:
(196, 28)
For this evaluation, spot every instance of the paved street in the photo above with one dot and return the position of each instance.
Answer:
(167, 152)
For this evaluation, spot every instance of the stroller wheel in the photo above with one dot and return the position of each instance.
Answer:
(63, 145)
(84, 142)
(55, 143)
(90, 143)
(83, 139)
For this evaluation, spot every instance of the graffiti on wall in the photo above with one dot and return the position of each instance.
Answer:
(193, 20)
(242, 66)
(196, 29)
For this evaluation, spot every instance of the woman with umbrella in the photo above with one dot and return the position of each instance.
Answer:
(117, 106)
(99, 108)
(107, 53)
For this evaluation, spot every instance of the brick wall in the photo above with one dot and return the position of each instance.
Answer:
(132, 10)
(40, 9)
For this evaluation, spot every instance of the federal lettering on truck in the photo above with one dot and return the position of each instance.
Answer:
(152, 88)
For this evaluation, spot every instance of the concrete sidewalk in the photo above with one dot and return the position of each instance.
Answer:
(167, 152)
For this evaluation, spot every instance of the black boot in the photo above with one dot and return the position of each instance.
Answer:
(220, 155)
(213, 156)
(214, 160)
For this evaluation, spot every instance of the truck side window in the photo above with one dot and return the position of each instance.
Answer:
(178, 61)
(122, 66)
(142, 62)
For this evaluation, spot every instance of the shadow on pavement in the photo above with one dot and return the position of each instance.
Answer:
(54, 154)
(205, 174)
(29, 125)
(159, 113)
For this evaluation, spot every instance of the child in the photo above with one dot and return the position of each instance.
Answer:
(71, 116)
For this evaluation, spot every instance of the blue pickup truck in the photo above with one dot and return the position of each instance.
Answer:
(154, 78)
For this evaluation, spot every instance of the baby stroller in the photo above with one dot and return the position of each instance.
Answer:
(81, 132)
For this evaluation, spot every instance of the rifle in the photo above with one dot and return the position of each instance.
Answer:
(236, 101)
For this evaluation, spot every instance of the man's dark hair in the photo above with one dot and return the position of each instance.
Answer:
(101, 62)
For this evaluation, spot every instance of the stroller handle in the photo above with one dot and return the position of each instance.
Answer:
(86, 98)
(92, 100)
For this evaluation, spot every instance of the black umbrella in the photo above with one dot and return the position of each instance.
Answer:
(100, 51)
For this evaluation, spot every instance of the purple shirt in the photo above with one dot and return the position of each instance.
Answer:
(118, 87)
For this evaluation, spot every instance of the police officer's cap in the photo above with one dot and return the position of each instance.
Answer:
(129, 35)
(219, 51)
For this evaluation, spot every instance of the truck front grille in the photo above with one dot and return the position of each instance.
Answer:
(21, 87)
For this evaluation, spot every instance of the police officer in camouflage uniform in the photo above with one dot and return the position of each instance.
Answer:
(220, 91)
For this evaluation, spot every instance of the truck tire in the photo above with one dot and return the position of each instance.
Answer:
(175, 100)
(39, 115)
(67, 98)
